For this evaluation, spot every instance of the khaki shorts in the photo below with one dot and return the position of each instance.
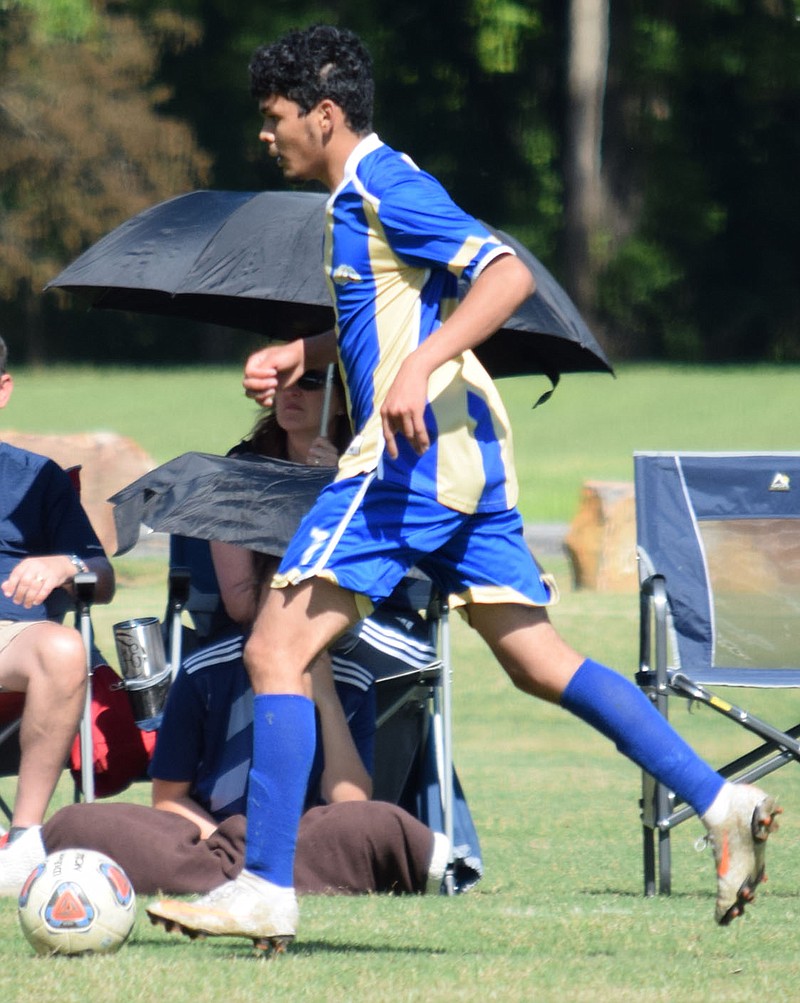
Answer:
(9, 629)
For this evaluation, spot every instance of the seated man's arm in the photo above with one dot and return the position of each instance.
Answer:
(173, 795)
(106, 583)
(344, 777)
(33, 579)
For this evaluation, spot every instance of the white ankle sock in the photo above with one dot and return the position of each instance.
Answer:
(719, 807)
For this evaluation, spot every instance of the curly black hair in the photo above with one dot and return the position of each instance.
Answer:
(309, 65)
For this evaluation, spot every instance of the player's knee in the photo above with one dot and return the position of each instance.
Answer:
(261, 653)
(272, 663)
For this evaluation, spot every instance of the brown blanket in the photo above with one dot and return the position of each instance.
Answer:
(349, 848)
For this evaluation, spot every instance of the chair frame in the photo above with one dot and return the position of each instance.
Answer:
(661, 809)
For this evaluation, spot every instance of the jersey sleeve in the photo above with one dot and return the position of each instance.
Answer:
(426, 228)
(179, 747)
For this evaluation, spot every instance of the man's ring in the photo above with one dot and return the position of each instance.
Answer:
(316, 461)
(39, 578)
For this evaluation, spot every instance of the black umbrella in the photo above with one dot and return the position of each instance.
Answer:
(240, 259)
(253, 261)
(215, 498)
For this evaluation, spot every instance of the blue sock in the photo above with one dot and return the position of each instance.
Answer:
(621, 712)
(284, 736)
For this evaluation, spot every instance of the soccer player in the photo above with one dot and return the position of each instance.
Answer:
(428, 480)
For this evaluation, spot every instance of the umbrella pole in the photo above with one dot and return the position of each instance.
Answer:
(326, 403)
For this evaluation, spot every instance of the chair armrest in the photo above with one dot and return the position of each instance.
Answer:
(653, 607)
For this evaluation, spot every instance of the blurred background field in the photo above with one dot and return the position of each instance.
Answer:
(559, 913)
(588, 430)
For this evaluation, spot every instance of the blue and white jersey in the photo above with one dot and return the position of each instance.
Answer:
(395, 247)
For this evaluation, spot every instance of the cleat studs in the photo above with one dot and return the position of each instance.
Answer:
(269, 947)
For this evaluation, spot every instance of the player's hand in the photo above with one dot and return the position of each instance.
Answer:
(403, 410)
(271, 367)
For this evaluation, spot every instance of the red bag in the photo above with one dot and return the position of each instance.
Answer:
(11, 705)
(121, 750)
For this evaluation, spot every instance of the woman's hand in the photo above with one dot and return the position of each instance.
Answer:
(322, 453)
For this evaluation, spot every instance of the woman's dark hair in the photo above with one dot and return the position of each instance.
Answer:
(269, 439)
(316, 63)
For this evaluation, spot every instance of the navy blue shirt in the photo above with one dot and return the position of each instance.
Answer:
(206, 735)
(40, 515)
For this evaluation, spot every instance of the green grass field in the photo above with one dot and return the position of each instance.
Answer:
(559, 914)
(588, 430)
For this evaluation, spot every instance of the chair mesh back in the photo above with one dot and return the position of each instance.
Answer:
(724, 530)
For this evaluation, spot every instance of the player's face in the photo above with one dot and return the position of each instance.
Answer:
(292, 138)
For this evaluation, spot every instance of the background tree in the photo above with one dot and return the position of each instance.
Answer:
(83, 142)
(676, 233)
(585, 204)
(700, 155)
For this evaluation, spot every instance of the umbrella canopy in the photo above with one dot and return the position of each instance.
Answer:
(563, 342)
(253, 261)
(215, 498)
(240, 259)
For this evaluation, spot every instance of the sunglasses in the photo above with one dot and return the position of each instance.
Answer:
(313, 379)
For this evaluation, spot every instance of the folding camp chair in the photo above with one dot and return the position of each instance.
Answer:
(718, 540)
(57, 607)
(414, 745)
(413, 742)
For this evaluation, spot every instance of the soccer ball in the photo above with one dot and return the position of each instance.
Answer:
(77, 902)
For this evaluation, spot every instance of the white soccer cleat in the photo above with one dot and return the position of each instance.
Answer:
(739, 843)
(248, 907)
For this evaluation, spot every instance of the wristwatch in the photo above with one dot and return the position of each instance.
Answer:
(80, 565)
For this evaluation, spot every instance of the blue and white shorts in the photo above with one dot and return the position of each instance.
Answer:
(364, 535)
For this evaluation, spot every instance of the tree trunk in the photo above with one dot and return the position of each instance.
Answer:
(584, 197)
(35, 342)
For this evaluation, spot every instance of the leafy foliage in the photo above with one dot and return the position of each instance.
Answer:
(706, 92)
(108, 107)
(84, 143)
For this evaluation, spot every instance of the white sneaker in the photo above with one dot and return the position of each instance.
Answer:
(247, 907)
(19, 859)
(739, 842)
(440, 858)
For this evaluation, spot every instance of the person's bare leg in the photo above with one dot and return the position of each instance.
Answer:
(47, 662)
(538, 661)
(738, 817)
(293, 626)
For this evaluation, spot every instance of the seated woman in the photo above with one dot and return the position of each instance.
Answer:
(193, 838)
